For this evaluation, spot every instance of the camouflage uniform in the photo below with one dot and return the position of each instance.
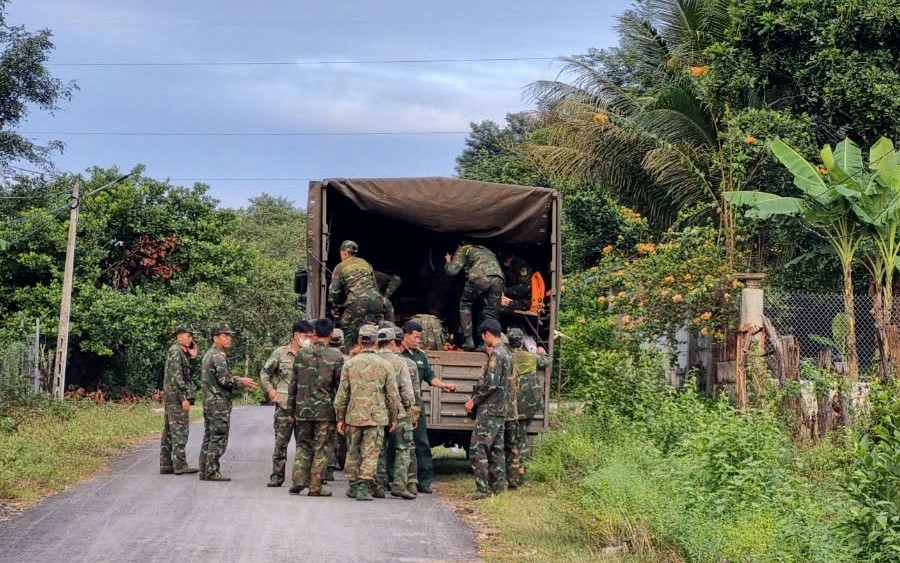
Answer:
(511, 428)
(275, 375)
(338, 443)
(353, 288)
(178, 386)
(484, 279)
(399, 444)
(366, 402)
(217, 383)
(490, 396)
(412, 479)
(316, 375)
(387, 284)
(424, 463)
(530, 397)
(518, 285)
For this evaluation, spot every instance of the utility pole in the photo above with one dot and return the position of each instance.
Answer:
(65, 307)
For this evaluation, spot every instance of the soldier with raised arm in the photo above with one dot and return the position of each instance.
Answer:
(484, 281)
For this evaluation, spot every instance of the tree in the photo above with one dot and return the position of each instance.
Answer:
(24, 82)
(497, 154)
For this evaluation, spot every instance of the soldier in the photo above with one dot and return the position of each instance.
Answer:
(484, 280)
(387, 285)
(400, 442)
(354, 293)
(530, 392)
(517, 293)
(218, 384)
(366, 402)
(412, 336)
(412, 479)
(178, 396)
(489, 402)
(338, 449)
(275, 377)
(316, 376)
(511, 422)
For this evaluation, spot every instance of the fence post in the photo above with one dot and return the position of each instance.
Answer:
(36, 379)
(749, 331)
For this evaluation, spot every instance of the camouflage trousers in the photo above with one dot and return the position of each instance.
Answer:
(337, 448)
(511, 451)
(522, 438)
(216, 424)
(370, 309)
(284, 427)
(311, 458)
(363, 449)
(486, 451)
(174, 437)
(489, 290)
(393, 464)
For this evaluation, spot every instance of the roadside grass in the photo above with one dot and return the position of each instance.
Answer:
(44, 449)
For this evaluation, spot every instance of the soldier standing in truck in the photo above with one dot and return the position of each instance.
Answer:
(484, 280)
(354, 293)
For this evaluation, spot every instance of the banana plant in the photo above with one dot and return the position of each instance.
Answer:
(826, 205)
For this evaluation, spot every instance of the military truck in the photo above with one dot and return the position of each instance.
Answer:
(404, 227)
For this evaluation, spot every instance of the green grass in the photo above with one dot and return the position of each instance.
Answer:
(45, 450)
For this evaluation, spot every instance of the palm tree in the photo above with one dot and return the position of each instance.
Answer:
(653, 139)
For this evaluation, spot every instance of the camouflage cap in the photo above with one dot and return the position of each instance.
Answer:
(516, 336)
(183, 327)
(368, 333)
(385, 334)
(337, 337)
(222, 328)
(398, 334)
(350, 246)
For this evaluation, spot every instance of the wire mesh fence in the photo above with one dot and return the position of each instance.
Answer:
(811, 318)
(20, 369)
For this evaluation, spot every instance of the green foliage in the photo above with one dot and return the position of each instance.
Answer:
(592, 221)
(25, 82)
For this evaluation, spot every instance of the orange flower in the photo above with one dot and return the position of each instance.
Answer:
(706, 316)
(699, 70)
(601, 117)
(607, 249)
(623, 294)
(704, 331)
(688, 276)
(601, 299)
(677, 298)
(626, 319)
(581, 320)
(736, 284)
(664, 292)
(822, 170)
(750, 140)
(669, 279)
(727, 296)
(646, 248)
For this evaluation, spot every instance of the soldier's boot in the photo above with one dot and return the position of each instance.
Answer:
(186, 470)
(166, 470)
(329, 474)
(351, 490)
(512, 485)
(315, 488)
(402, 493)
(411, 489)
(296, 488)
(217, 477)
(364, 490)
(275, 482)
(376, 489)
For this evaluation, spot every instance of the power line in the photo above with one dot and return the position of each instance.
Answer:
(244, 134)
(296, 23)
(303, 63)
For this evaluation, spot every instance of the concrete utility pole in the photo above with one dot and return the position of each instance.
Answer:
(65, 307)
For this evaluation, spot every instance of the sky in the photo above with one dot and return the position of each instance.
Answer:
(246, 129)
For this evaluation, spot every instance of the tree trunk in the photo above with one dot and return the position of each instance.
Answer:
(881, 329)
(849, 310)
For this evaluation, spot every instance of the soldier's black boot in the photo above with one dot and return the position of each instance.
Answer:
(351, 490)
(364, 490)
(296, 488)
(275, 482)
(329, 474)
(166, 470)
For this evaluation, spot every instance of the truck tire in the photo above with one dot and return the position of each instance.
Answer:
(433, 333)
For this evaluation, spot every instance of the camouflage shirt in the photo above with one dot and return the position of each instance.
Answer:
(512, 387)
(178, 380)
(387, 283)
(275, 375)
(402, 377)
(414, 377)
(353, 279)
(365, 396)
(490, 394)
(315, 379)
(518, 280)
(530, 397)
(215, 377)
(477, 261)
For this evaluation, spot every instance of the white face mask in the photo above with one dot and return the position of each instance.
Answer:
(304, 342)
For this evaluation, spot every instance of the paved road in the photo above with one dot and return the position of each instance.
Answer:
(132, 513)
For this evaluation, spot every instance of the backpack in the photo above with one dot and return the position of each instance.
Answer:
(433, 333)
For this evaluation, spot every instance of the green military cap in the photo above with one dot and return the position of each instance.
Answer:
(183, 327)
(337, 337)
(516, 336)
(368, 333)
(222, 328)
(350, 246)
(385, 334)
